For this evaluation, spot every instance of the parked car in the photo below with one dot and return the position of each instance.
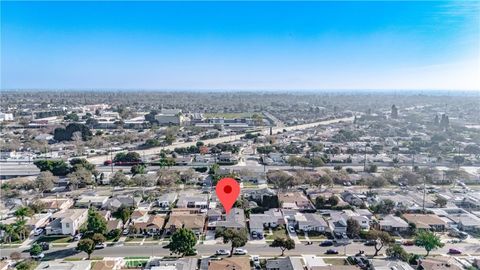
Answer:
(409, 243)
(100, 245)
(454, 251)
(370, 243)
(256, 261)
(38, 257)
(291, 229)
(222, 252)
(240, 251)
(331, 251)
(125, 232)
(77, 237)
(38, 231)
(326, 243)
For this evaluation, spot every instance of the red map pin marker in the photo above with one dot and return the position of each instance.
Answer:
(227, 190)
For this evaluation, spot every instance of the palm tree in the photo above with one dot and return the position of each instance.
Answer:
(22, 212)
(21, 228)
(10, 232)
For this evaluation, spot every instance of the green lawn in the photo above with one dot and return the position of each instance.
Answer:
(55, 239)
(135, 263)
(278, 232)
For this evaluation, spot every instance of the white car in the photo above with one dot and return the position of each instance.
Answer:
(222, 252)
(291, 229)
(38, 231)
(240, 251)
(256, 261)
(38, 257)
(100, 246)
(77, 237)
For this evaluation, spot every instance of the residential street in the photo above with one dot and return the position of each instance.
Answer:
(253, 249)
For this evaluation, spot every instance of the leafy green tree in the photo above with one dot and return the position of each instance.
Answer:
(237, 238)
(396, 251)
(26, 265)
(35, 250)
(95, 223)
(183, 242)
(98, 238)
(78, 163)
(23, 212)
(316, 162)
(124, 213)
(72, 117)
(119, 179)
(428, 240)
(138, 169)
(440, 201)
(384, 207)
(127, 157)
(280, 179)
(65, 134)
(381, 239)
(283, 244)
(86, 245)
(80, 177)
(56, 167)
(353, 228)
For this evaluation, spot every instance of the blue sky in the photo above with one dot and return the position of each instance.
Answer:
(240, 45)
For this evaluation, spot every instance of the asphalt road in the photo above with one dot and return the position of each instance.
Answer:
(265, 131)
(253, 249)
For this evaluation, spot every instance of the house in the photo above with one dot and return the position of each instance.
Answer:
(67, 222)
(310, 222)
(337, 222)
(38, 220)
(235, 219)
(152, 224)
(439, 263)
(230, 263)
(457, 217)
(353, 198)
(193, 201)
(227, 158)
(312, 262)
(391, 223)
(64, 265)
(89, 201)
(177, 220)
(122, 200)
(378, 264)
(294, 200)
(56, 204)
(426, 221)
(258, 194)
(173, 264)
(166, 200)
(287, 263)
(363, 221)
(113, 224)
(269, 219)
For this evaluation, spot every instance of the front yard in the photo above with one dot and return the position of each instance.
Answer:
(57, 239)
(280, 232)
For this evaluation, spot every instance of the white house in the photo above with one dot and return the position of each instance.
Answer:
(67, 222)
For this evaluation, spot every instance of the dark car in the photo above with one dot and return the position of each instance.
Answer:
(326, 243)
(454, 251)
(44, 245)
(370, 242)
(331, 251)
